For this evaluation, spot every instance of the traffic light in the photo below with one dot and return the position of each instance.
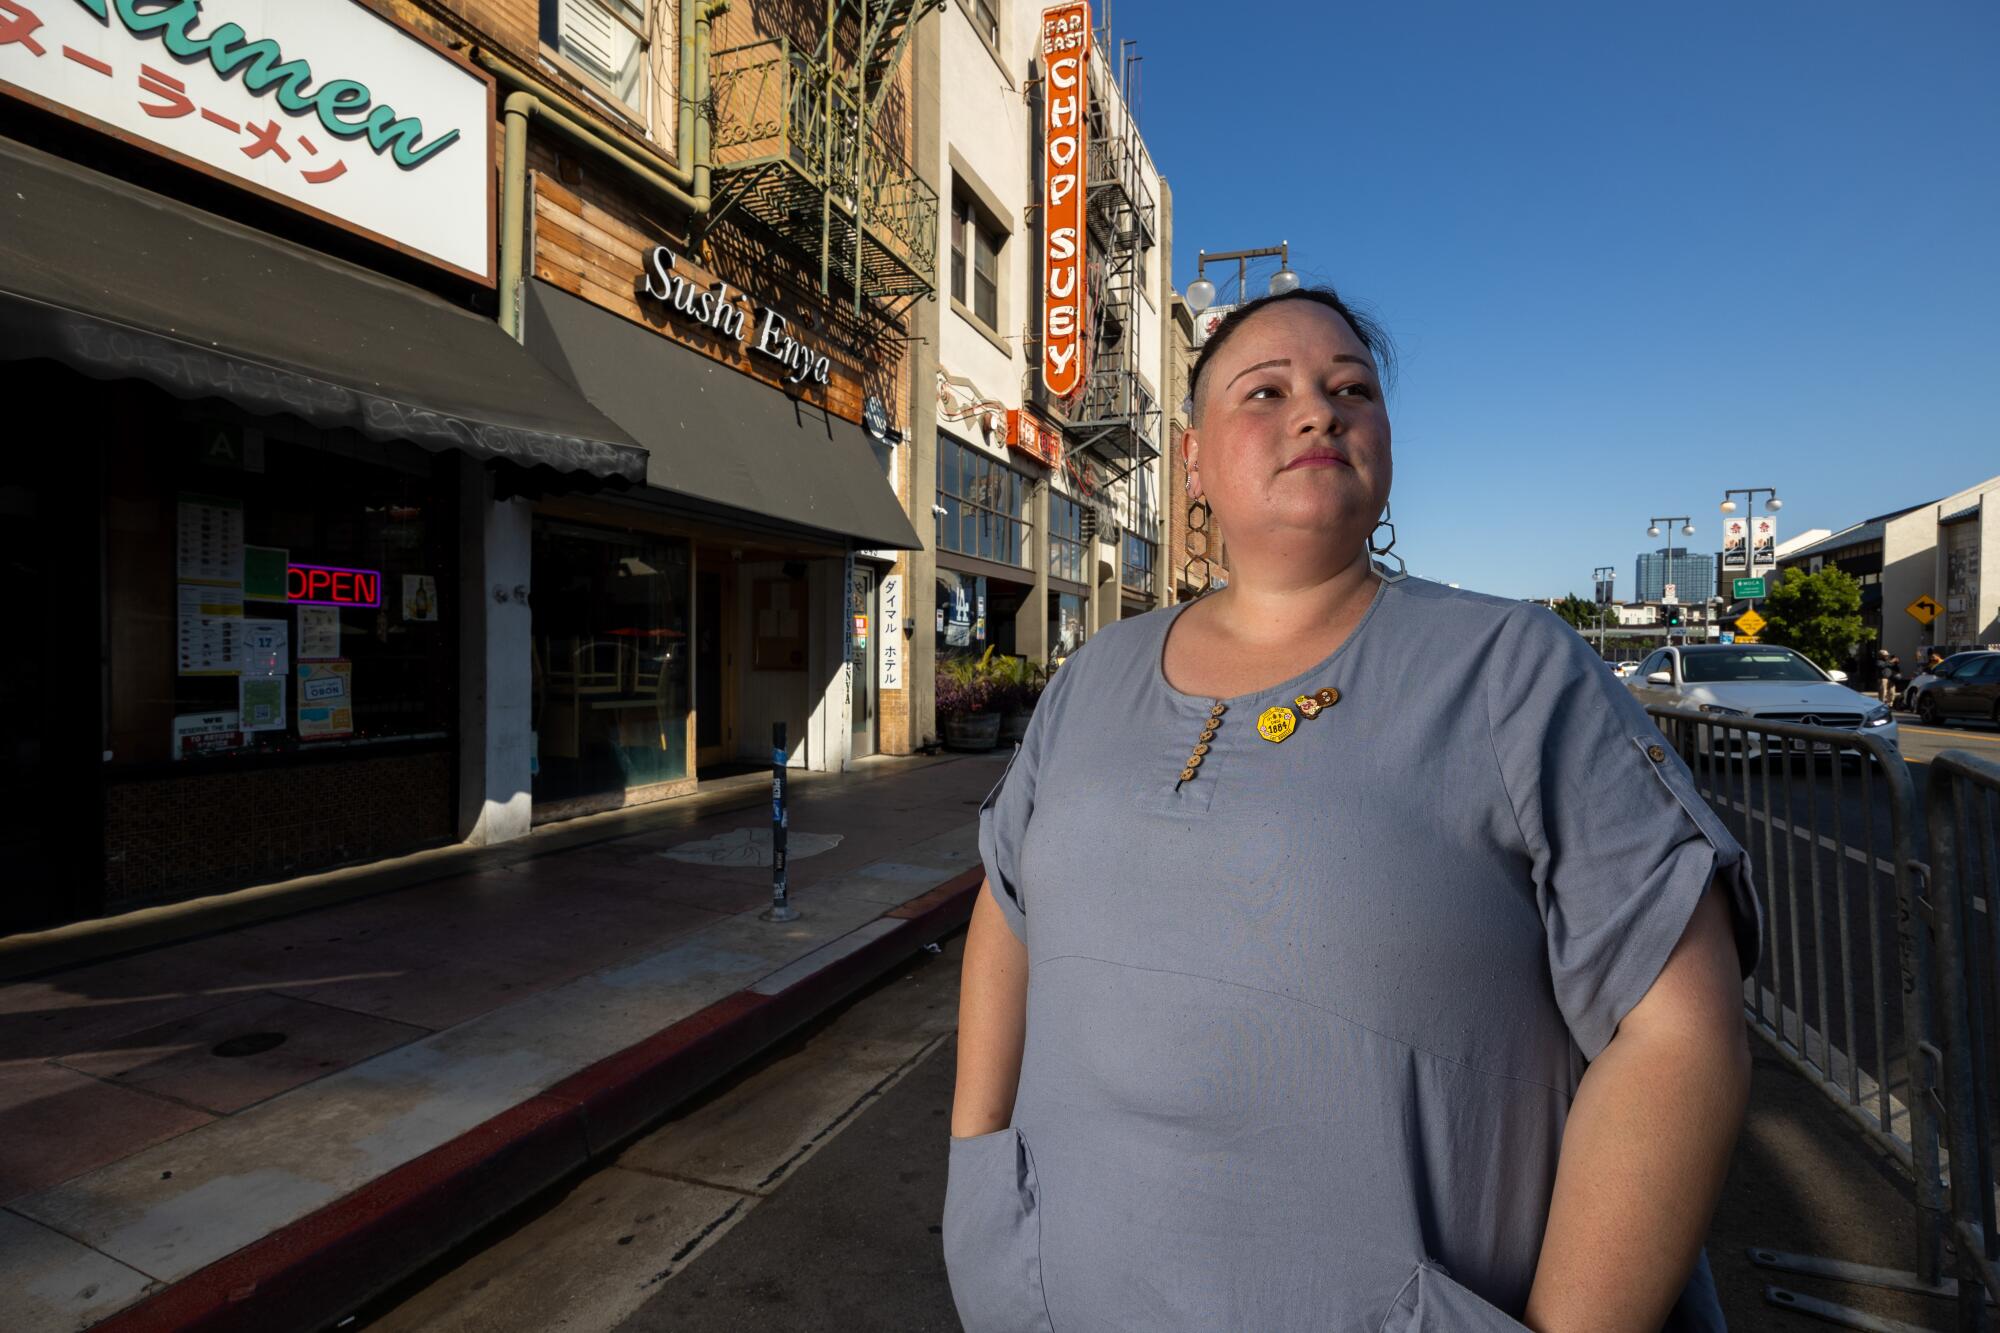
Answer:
(1674, 617)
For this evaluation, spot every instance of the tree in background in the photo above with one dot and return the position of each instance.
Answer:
(1817, 614)
(1582, 615)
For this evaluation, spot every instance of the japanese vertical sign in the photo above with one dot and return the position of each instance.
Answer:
(323, 104)
(1065, 101)
(891, 664)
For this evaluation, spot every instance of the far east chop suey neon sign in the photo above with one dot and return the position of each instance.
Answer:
(330, 585)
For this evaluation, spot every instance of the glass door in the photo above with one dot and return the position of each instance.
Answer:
(862, 617)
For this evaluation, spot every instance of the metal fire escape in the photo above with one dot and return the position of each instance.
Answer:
(801, 145)
(1112, 416)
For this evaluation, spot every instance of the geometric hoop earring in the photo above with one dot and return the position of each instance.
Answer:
(1386, 550)
(1198, 517)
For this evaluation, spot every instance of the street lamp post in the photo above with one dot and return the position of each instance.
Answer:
(1687, 530)
(1201, 292)
(1771, 505)
(1601, 579)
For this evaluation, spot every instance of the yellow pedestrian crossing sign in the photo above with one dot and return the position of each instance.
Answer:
(1750, 623)
(1924, 609)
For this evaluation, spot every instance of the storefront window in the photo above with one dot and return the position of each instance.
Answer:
(983, 501)
(961, 613)
(1065, 624)
(611, 686)
(270, 596)
(1066, 545)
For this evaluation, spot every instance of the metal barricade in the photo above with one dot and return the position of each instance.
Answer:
(1964, 822)
(1841, 992)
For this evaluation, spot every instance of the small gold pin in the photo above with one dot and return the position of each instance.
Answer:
(1308, 705)
(1276, 723)
(1328, 697)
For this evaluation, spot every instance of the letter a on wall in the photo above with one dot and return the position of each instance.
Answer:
(1065, 108)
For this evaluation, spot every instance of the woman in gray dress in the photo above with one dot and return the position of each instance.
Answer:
(1353, 955)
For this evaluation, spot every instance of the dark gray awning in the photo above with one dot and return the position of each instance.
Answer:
(121, 283)
(716, 434)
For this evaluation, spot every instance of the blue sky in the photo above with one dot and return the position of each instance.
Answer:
(1631, 255)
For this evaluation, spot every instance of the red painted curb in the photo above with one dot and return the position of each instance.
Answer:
(325, 1265)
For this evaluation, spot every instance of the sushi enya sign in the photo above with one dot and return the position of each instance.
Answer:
(322, 104)
(1065, 92)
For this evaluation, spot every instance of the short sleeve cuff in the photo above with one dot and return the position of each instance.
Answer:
(1001, 829)
(1661, 910)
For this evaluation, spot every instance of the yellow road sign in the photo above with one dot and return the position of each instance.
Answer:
(1750, 623)
(1924, 609)
(1748, 638)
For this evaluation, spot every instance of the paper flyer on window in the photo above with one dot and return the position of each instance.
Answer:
(209, 630)
(326, 705)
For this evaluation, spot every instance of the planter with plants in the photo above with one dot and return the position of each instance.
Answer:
(1018, 683)
(965, 703)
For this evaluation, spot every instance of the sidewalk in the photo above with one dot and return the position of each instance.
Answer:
(256, 1128)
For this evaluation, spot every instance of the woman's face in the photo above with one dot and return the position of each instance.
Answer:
(1290, 431)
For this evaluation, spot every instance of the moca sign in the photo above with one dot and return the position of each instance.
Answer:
(719, 310)
(1065, 90)
(322, 104)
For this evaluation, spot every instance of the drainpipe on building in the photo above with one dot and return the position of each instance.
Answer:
(687, 187)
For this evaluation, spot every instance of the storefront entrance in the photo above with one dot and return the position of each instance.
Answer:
(610, 665)
(715, 629)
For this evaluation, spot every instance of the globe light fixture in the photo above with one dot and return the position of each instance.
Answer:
(1653, 531)
(1774, 504)
(1729, 506)
(1687, 530)
(1284, 280)
(1200, 295)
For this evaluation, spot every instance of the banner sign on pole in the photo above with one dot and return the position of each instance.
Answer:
(1735, 543)
(1065, 91)
(1763, 544)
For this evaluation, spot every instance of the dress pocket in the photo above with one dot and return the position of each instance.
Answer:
(1431, 1302)
(993, 1235)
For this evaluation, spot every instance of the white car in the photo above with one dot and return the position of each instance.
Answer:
(1625, 669)
(1757, 681)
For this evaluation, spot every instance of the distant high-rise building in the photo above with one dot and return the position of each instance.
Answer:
(1692, 574)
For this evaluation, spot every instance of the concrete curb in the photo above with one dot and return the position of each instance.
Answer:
(324, 1266)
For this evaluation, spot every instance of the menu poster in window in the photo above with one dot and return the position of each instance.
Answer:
(264, 573)
(319, 633)
(210, 631)
(420, 597)
(210, 546)
(326, 704)
(261, 702)
(205, 733)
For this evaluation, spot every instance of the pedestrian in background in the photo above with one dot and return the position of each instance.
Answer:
(1892, 678)
(1309, 991)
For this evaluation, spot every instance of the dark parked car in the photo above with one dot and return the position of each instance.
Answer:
(1964, 689)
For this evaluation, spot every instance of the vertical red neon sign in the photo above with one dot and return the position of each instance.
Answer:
(1065, 93)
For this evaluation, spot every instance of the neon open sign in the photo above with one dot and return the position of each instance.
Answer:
(330, 585)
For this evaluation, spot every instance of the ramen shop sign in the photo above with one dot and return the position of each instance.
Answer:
(331, 585)
(1065, 52)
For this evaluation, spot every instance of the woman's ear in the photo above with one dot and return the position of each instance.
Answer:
(1191, 452)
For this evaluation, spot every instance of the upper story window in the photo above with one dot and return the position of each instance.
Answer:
(605, 41)
(985, 16)
(975, 259)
